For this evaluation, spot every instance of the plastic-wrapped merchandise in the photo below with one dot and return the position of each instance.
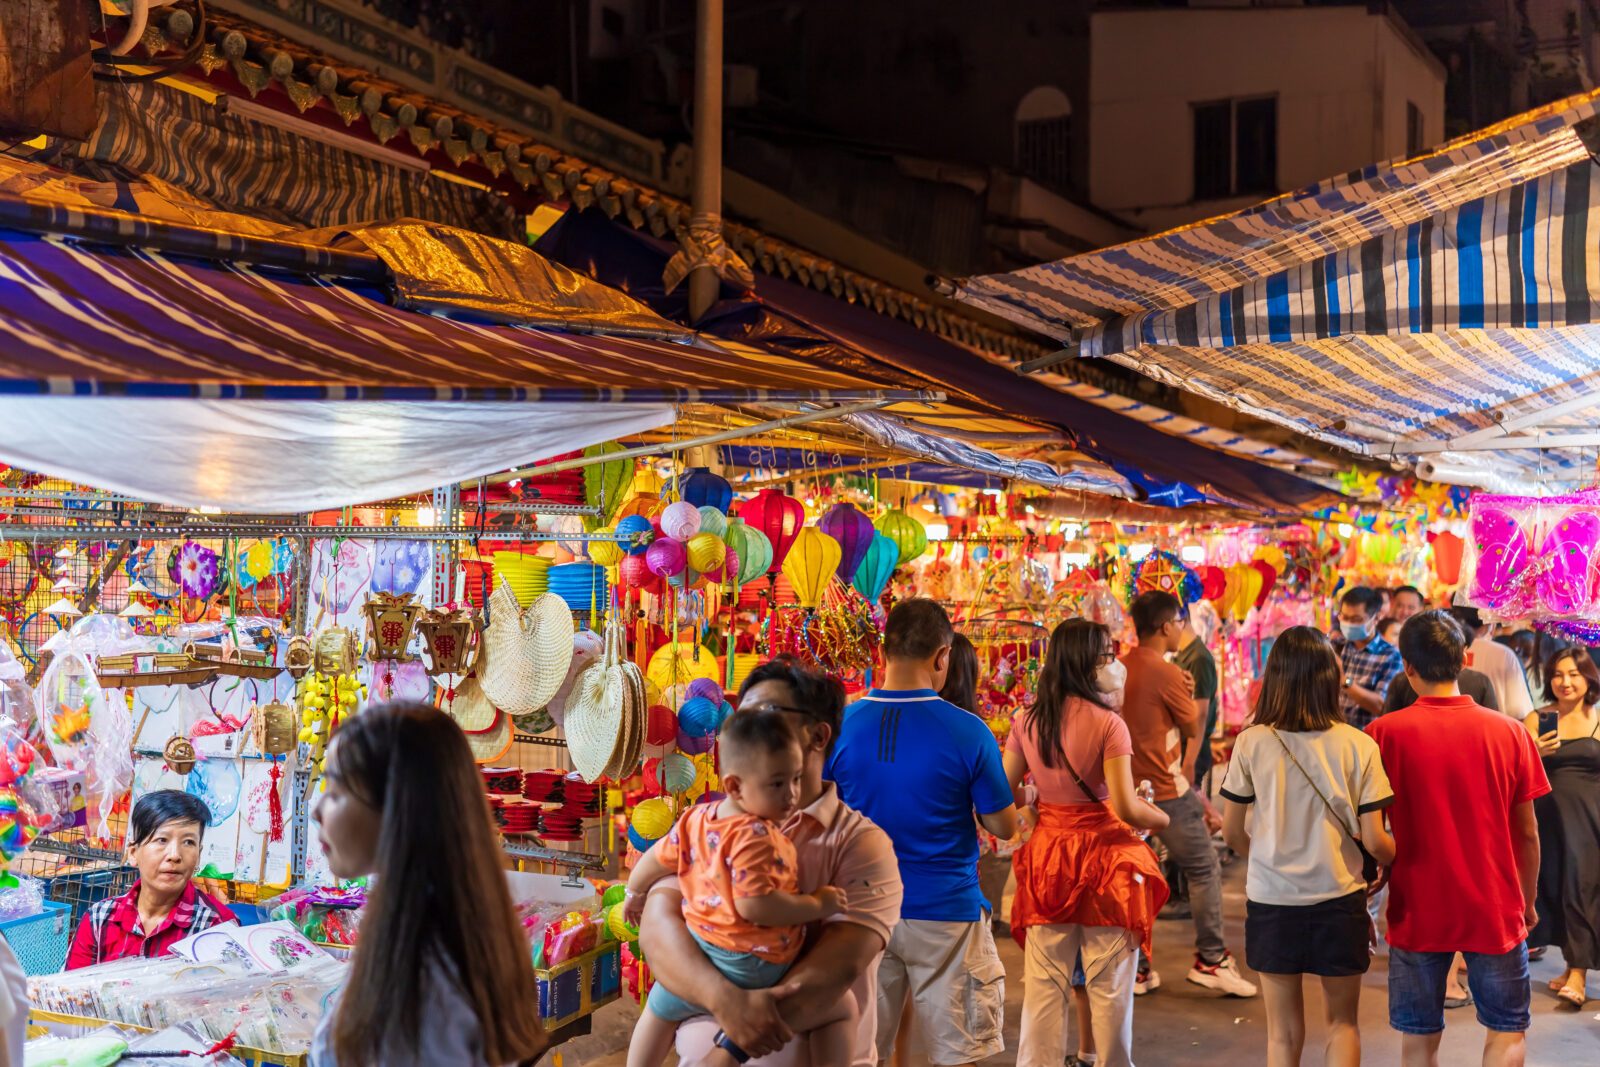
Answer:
(1533, 557)
(21, 900)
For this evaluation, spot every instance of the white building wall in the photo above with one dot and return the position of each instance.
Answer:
(1341, 76)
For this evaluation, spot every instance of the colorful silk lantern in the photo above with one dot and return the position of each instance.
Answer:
(605, 484)
(877, 567)
(706, 552)
(909, 535)
(666, 557)
(811, 564)
(713, 521)
(1447, 549)
(680, 520)
(778, 516)
(635, 534)
(854, 532)
(752, 548)
(706, 490)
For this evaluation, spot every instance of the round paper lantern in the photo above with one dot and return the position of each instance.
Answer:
(681, 520)
(645, 505)
(753, 549)
(699, 717)
(909, 535)
(677, 772)
(634, 573)
(706, 552)
(695, 745)
(618, 926)
(705, 688)
(652, 819)
(729, 571)
(605, 484)
(635, 533)
(607, 553)
(743, 664)
(778, 516)
(811, 564)
(664, 671)
(706, 490)
(854, 532)
(877, 567)
(666, 557)
(713, 521)
(1447, 548)
(651, 773)
(660, 725)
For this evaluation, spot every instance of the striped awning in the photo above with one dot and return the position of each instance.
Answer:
(80, 320)
(1443, 306)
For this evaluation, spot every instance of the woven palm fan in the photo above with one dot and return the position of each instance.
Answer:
(526, 652)
(492, 742)
(597, 713)
(635, 706)
(468, 705)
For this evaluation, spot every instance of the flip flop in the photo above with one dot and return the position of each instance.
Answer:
(1458, 1002)
(1572, 995)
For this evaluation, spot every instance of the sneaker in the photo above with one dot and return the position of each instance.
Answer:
(1223, 976)
(1146, 980)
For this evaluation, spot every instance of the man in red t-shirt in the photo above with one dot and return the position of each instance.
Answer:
(1467, 851)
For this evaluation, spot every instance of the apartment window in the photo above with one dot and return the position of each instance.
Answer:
(1415, 140)
(1044, 137)
(1235, 147)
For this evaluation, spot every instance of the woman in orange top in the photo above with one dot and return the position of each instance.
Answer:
(1087, 885)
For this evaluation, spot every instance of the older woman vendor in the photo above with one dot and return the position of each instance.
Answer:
(164, 906)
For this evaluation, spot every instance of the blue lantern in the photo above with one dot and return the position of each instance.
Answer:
(703, 489)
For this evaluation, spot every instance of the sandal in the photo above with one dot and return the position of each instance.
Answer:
(1458, 1002)
(1573, 995)
(1558, 984)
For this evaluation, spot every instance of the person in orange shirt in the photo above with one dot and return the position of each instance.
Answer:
(739, 875)
(1165, 725)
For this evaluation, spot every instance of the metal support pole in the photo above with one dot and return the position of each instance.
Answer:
(446, 504)
(706, 199)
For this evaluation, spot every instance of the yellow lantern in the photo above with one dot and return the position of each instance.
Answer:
(665, 670)
(607, 553)
(706, 552)
(812, 562)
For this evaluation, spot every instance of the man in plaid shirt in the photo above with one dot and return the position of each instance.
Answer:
(164, 906)
(1370, 662)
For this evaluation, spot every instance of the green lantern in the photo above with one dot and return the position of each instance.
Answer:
(752, 547)
(606, 483)
(909, 535)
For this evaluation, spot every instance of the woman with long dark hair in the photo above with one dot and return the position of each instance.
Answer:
(1088, 888)
(443, 972)
(1318, 789)
(1569, 821)
(961, 684)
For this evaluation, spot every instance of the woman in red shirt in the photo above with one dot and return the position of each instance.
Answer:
(164, 906)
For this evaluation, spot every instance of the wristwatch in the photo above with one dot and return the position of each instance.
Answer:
(723, 1041)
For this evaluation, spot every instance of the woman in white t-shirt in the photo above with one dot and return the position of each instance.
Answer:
(1318, 789)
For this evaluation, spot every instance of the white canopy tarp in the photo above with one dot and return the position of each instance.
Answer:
(290, 456)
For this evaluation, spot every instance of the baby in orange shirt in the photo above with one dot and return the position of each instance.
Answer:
(739, 877)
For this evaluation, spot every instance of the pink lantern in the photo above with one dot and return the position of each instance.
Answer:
(680, 521)
(779, 517)
(666, 558)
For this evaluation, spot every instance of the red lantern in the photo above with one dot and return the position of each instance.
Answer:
(1447, 557)
(660, 725)
(1213, 582)
(778, 516)
(1269, 578)
(634, 573)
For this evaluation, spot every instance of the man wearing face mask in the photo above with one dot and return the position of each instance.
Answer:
(1164, 724)
(1370, 662)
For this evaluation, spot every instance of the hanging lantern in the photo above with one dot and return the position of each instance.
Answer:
(854, 532)
(713, 521)
(608, 552)
(1447, 557)
(811, 564)
(666, 557)
(877, 567)
(634, 573)
(634, 534)
(648, 505)
(778, 516)
(706, 552)
(909, 535)
(680, 521)
(752, 548)
(605, 484)
(706, 490)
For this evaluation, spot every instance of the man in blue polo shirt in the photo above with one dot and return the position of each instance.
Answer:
(919, 767)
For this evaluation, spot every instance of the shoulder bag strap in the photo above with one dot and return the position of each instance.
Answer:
(1287, 751)
(1078, 778)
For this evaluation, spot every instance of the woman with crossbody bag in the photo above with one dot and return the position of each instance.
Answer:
(1087, 885)
(1318, 791)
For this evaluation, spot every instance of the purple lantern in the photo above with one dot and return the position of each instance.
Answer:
(666, 557)
(854, 532)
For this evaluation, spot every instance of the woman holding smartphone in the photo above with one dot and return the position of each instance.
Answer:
(1569, 821)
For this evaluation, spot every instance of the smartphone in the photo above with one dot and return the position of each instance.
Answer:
(1547, 721)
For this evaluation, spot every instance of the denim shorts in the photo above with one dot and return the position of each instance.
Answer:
(744, 969)
(1499, 986)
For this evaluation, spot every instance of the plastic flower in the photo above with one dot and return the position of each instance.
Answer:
(196, 568)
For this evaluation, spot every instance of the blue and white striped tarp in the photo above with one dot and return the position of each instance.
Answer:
(1410, 302)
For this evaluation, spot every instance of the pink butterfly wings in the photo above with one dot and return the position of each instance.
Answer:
(1503, 559)
(1569, 581)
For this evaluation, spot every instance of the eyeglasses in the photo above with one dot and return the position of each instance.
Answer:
(772, 705)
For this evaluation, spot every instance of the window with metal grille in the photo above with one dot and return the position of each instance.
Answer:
(1044, 150)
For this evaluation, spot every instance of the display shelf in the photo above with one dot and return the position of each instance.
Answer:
(255, 1056)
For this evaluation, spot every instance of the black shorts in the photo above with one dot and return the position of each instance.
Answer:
(1328, 939)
